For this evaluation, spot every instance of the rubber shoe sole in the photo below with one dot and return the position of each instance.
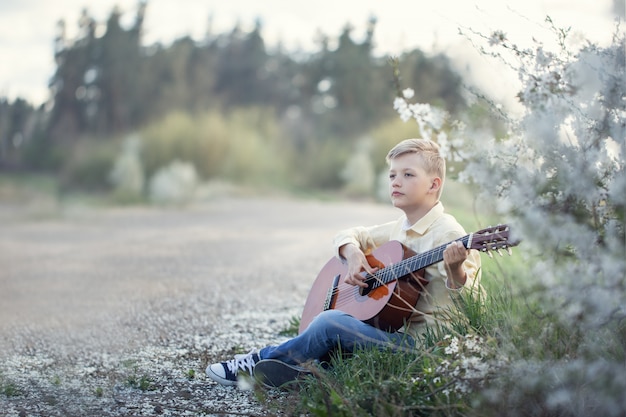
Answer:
(273, 373)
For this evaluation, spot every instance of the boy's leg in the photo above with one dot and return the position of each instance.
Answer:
(330, 329)
(274, 373)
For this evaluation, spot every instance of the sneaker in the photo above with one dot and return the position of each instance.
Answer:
(226, 372)
(274, 373)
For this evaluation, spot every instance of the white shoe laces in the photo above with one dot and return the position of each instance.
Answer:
(243, 362)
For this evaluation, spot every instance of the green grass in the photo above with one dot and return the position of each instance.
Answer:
(473, 214)
(459, 200)
(453, 371)
(292, 327)
(17, 187)
(436, 379)
(369, 383)
(8, 389)
(140, 382)
(432, 380)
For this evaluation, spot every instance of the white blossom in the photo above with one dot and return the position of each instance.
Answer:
(408, 93)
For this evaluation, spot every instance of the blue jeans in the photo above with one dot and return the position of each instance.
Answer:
(329, 330)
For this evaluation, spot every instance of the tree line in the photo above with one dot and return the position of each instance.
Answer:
(108, 83)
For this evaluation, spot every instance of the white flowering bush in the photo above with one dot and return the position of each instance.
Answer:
(127, 175)
(552, 341)
(462, 367)
(435, 124)
(468, 362)
(558, 176)
(175, 183)
(560, 173)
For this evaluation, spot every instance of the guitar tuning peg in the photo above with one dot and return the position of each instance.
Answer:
(509, 251)
(490, 254)
(499, 252)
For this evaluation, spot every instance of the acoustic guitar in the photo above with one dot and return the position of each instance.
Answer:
(394, 289)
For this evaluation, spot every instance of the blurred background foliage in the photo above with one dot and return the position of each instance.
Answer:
(227, 105)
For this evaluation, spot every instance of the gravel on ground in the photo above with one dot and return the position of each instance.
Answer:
(117, 312)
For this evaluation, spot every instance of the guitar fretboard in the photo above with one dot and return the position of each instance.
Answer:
(411, 264)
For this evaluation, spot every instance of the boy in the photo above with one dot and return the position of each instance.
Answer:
(416, 177)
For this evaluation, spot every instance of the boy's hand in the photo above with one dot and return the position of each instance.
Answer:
(453, 257)
(357, 264)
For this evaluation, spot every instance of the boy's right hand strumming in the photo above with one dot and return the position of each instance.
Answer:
(357, 264)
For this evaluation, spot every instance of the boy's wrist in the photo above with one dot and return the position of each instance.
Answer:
(457, 280)
(346, 250)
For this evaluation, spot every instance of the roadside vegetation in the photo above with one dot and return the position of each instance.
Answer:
(549, 336)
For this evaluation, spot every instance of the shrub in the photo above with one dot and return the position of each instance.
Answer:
(127, 174)
(243, 146)
(174, 184)
(559, 173)
(553, 341)
(202, 141)
(317, 164)
(88, 164)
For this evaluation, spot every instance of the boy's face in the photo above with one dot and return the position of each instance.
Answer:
(411, 188)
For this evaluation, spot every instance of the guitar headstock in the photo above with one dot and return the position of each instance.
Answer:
(493, 239)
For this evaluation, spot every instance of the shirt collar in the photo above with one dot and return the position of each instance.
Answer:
(422, 225)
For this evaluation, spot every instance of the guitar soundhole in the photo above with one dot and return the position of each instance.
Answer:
(363, 291)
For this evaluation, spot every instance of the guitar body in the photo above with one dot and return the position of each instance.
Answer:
(386, 307)
(393, 290)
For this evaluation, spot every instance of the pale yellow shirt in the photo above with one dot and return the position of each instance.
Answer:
(435, 306)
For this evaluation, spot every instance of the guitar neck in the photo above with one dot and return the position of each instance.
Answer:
(414, 263)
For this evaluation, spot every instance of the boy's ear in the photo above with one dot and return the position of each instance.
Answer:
(435, 184)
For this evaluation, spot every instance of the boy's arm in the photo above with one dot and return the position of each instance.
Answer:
(357, 263)
(352, 245)
(364, 238)
(453, 257)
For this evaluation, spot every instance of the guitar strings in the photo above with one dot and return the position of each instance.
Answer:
(411, 264)
(346, 292)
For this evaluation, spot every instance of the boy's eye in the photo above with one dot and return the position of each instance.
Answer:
(392, 176)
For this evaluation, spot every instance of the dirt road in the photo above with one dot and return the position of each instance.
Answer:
(77, 290)
(97, 265)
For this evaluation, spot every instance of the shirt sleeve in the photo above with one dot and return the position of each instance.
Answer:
(365, 238)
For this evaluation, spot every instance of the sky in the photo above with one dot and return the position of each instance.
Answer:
(28, 27)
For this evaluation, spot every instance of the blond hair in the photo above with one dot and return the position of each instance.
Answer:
(432, 160)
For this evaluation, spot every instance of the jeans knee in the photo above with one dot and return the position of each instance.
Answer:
(330, 317)
(332, 314)
(332, 322)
